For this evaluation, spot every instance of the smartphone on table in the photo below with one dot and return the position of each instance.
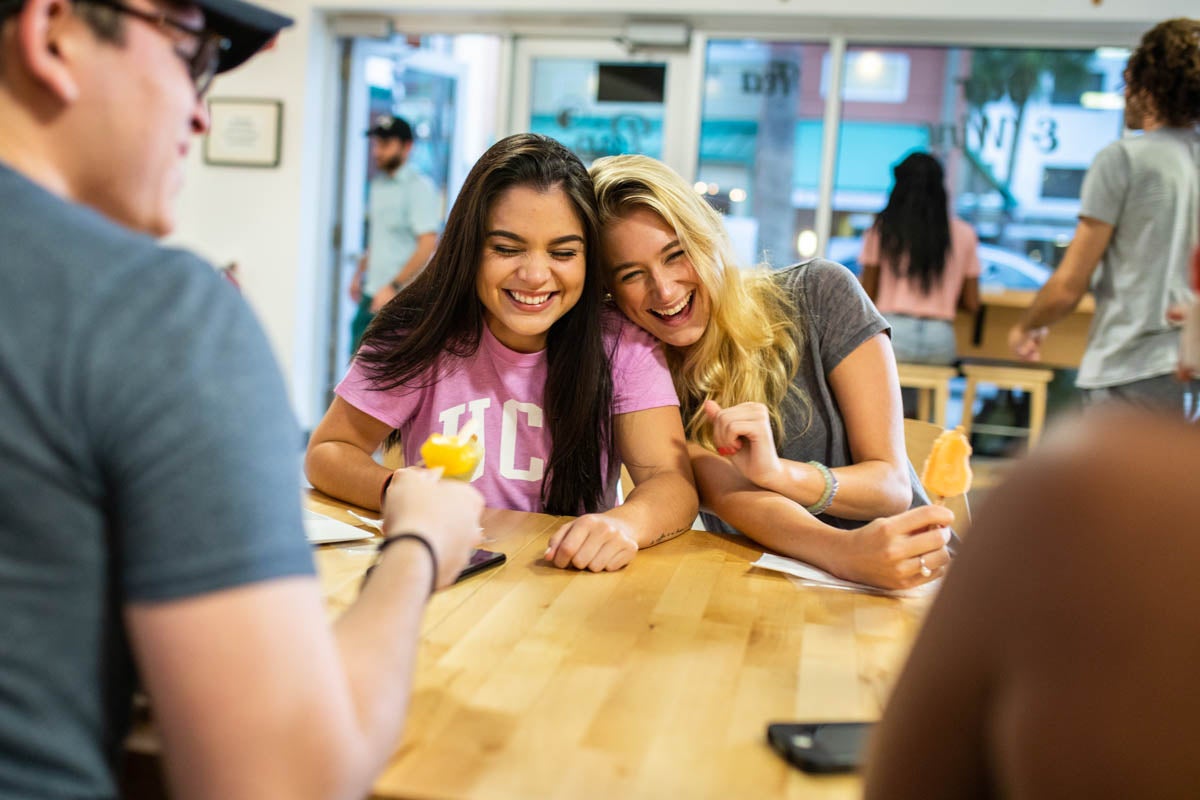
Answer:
(479, 561)
(821, 747)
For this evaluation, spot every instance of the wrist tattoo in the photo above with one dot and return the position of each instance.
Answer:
(669, 535)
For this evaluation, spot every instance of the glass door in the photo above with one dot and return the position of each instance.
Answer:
(598, 99)
(436, 83)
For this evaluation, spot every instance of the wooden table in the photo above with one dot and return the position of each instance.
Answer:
(984, 334)
(656, 681)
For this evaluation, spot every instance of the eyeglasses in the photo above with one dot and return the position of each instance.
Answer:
(200, 50)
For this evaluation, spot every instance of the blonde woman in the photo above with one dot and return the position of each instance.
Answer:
(787, 382)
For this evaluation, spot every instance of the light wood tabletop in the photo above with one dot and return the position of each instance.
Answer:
(655, 681)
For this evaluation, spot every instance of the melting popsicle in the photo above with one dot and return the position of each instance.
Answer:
(947, 470)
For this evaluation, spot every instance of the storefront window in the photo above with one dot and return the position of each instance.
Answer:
(760, 144)
(1015, 130)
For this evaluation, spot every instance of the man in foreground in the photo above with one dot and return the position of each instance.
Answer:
(148, 458)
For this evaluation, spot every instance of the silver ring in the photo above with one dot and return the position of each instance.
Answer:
(925, 570)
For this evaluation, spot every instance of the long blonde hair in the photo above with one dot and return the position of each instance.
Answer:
(750, 350)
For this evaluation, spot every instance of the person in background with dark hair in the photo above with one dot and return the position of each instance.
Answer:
(150, 518)
(403, 213)
(919, 263)
(505, 328)
(1137, 227)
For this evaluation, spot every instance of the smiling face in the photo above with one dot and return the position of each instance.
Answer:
(652, 278)
(533, 265)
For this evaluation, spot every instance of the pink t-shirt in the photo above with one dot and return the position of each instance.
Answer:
(903, 296)
(503, 390)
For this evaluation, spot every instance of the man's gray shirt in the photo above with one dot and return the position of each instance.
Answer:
(147, 454)
(1148, 188)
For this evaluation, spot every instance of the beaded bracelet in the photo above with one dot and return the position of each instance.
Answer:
(399, 537)
(831, 487)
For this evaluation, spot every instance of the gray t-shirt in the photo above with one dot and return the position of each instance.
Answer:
(147, 453)
(1148, 188)
(837, 317)
(401, 207)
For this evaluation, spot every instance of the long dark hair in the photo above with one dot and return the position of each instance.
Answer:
(440, 314)
(916, 221)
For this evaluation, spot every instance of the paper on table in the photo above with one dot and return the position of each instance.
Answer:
(377, 524)
(806, 574)
(320, 529)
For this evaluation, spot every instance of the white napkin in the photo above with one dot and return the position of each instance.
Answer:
(321, 529)
(805, 574)
(377, 524)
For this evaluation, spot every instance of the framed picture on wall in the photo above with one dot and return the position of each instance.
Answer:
(243, 133)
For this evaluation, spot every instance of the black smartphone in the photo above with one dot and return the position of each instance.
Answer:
(820, 746)
(480, 560)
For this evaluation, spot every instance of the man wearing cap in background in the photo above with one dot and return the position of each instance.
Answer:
(149, 474)
(403, 214)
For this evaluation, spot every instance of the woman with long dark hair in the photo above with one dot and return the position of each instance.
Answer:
(506, 327)
(920, 263)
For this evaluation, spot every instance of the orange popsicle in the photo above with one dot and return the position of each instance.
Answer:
(457, 455)
(947, 470)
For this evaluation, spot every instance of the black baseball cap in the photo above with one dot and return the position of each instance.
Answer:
(249, 28)
(389, 127)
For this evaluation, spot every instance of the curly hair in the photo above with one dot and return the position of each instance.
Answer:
(1166, 66)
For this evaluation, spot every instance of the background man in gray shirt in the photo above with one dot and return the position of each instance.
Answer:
(1137, 227)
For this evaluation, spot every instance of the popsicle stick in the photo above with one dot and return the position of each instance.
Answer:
(469, 429)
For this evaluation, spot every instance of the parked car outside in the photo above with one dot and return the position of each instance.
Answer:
(999, 268)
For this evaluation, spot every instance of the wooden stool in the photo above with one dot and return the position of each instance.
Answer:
(1005, 376)
(928, 380)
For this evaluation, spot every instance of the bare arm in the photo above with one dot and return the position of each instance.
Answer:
(1065, 288)
(884, 552)
(416, 262)
(968, 298)
(255, 696)
(340, 457)
(653, 448)
(1037, 640)
(870, 281)
(426, 243)
(877, 483)
(662, 505)
(356, 280)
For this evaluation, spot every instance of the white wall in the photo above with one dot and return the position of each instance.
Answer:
(276, 222)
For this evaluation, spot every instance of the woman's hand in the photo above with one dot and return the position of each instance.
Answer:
(890, 552)
(596, 542)
(743, 434)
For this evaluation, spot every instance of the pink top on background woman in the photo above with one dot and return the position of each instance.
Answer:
(901, 295)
